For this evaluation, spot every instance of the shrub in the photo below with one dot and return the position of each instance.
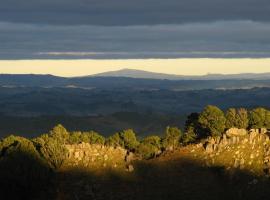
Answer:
(115, 141)
(259, 118)
(149, 147)
(212, 120)
(153, 140)
(172, 137)
(75, 137)
(59, 133)
(192, 123)
(23, 173)
(126, 139)
(237, 118)
(146, 150)
(52, 148)
(190, 136)
(129, 139)
(92, 138)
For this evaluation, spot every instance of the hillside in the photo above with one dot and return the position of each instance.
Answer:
(227, 156)
(230, 170)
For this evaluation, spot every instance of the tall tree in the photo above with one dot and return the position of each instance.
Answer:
(213, 120)
(237, 118)
(259, 118)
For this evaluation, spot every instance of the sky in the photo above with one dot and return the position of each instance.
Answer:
(83, 36)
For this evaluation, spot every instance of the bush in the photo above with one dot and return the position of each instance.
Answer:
(92, 138)
(126, 139)
(115, 141)
(172, 137)
(192, 123)
(237, 118)
(23, 173)
(153, 140)
(52, 149)
(75, 137)
(59, 133)
(129, 139)
(190, 136)
(149, 147)
(259, 118)
(212, 119)
(146, 150)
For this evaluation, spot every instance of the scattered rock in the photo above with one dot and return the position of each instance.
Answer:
(130, 168)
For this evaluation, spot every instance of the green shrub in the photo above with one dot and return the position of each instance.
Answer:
(212, 119)
(237, 118)
(75, 137)
(129, 138)
(190, 136)
(259, 118)
(59, 133)
(115, 141)
(126, 139)
(172, 137)
(23, 173)
(149, 147)
(153, 140)
(92, 138)
(147, 150)
(52, 149)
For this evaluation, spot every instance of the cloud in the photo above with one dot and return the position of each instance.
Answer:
(132, 12)
(211, 39)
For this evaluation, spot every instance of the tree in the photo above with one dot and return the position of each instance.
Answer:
(115, 140)
(59, 133)
(242, 118)
(23, 172)
(172, 137)
(75, 137)
(267, 119)
(149, 147)
(237, 118)
(193, 127)
(129, 138)
(190, 136)
(259, 118)
(152, 140)
(52, 146)
(231, 118)
(213, 120)
(92, 138)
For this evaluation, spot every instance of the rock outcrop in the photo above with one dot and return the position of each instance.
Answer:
(236, 132)
(95, 156)
(238, 149)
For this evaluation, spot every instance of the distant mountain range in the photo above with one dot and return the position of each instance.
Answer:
(138, 80)
(133, 73)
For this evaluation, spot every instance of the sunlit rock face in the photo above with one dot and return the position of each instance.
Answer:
(95, 156)
(238, 149)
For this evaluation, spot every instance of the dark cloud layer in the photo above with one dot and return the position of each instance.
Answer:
(217, 39)
(132, 12)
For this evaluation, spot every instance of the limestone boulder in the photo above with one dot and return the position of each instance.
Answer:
(236, 132)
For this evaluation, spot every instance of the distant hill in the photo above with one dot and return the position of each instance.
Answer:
(133, 73)
(138, 80)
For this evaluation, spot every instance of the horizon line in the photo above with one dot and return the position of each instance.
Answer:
(177, 66)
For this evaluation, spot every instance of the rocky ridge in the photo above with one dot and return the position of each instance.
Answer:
(96, 156)
(237, 149)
